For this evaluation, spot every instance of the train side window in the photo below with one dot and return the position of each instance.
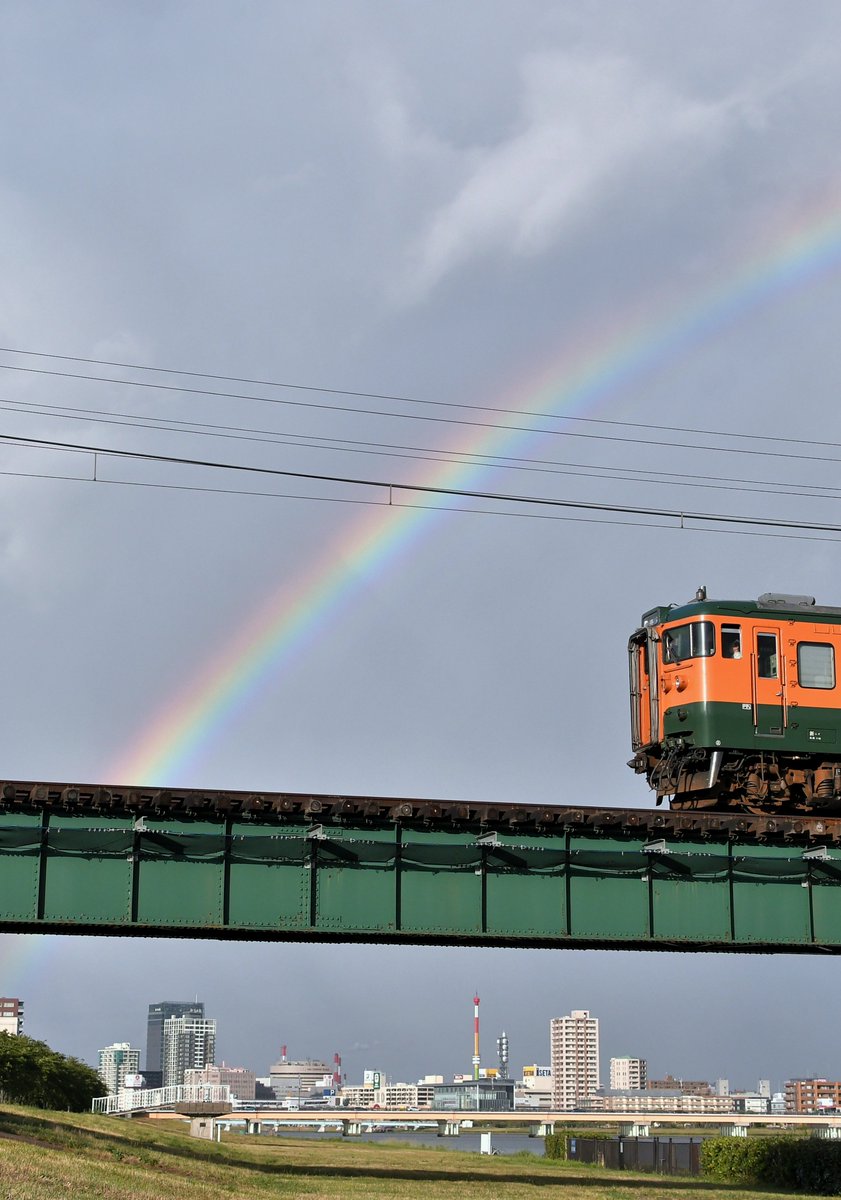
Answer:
(816, 665)
(689, 641)
(731, 641)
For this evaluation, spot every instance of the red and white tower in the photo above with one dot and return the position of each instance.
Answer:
(475, 1037)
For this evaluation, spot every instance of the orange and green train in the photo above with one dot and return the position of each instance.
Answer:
(737, 704)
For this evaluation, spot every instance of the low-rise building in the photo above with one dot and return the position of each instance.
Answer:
(242, 1082)
(11, 1015)
(750, 1102)
(650, 1101)
(405, 1095)
(693, 1087)
(812, 1095)
(477, 1095)
(391, 1095)
(536, 1071)
(294, 1079)
(534, 1090)
(357, 1097)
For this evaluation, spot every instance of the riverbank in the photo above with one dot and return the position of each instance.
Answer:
(44, 1155)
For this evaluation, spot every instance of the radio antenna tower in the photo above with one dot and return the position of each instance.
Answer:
(502, 1051)
(475, 1037)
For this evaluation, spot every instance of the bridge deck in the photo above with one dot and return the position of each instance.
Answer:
(90, 859)
(499, 1120)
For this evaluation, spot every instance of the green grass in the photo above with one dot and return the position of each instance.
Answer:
(46, 1156)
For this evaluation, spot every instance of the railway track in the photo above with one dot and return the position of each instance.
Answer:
(287, 808)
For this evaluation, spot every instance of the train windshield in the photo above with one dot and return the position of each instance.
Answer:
(689, 641)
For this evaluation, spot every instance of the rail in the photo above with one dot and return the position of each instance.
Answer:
(284, 807)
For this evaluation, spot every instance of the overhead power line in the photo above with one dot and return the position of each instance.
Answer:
(386, 396)
(420, 453)
(449, 421)
(681, 515)
(448, 508)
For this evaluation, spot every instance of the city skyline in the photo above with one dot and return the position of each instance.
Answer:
(398, 1069)
(572, 1083)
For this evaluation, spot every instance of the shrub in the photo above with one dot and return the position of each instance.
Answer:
(803, 1164)
(32, 1073)
(557, 1144)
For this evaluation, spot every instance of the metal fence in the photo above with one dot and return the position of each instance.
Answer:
(140, 1099)
(665, 1156)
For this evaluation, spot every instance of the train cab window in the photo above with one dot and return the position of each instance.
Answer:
(766, 655)
(815, 665)
(689, 641)
(731, 641)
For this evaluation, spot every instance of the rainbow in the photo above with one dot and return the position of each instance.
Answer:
(277, 633)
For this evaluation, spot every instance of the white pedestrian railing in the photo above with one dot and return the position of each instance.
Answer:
(139, 1099)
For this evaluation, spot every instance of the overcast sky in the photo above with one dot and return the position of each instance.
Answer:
(488, 205)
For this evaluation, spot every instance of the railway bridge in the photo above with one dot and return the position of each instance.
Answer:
(288, 866)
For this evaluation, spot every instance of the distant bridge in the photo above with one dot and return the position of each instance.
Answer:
(214, 1102)
(353, 1122)
(286, 866)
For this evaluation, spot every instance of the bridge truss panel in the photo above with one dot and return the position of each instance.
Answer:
(329, 869)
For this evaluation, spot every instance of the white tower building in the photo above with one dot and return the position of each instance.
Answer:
(189, 1043)
(628, 1074)
(115, 1062)
(575, 1059)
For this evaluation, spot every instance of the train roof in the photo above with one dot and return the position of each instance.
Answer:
(792, 607)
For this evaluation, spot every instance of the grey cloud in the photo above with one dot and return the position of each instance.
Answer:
(271, 195)
(584, 124)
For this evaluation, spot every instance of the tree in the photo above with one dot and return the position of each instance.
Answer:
(32, 1073)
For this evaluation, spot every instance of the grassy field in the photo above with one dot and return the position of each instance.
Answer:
(45, 1156)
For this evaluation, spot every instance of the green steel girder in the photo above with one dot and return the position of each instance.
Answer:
(434, 881)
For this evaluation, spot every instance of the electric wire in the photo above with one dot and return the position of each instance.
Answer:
(420, 453)
(445, 508)
(396, 397)
(590, 506)
(448, 421)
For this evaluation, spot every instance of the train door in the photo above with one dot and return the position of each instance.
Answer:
(768, 682)
(642, 651)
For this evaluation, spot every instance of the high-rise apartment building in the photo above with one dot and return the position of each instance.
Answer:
(574, 1042)
(628, 1074)
(11, 1015)
(189, 1043)
(115, 1062)
(158, 1013)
